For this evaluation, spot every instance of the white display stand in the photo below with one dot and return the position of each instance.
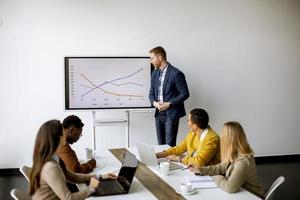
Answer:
(111, 122)
(116, 122)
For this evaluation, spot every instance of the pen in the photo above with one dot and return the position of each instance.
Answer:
(115, 171)
(184, 168)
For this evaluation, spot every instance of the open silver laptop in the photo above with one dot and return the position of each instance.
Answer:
(148, 156)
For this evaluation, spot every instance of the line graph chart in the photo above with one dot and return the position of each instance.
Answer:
(107, 83)
(111, 82)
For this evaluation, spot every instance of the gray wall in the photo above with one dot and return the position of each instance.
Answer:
(241, 60)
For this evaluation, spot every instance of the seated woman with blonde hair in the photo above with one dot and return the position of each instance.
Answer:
(237, 168)
(47, 179)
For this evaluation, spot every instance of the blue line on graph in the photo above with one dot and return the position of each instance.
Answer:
(128, 83)
(106, 82)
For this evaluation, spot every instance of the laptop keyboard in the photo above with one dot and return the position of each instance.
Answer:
(107, 187)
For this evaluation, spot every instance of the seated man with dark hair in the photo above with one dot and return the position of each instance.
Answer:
(72, 126)
(200, 147)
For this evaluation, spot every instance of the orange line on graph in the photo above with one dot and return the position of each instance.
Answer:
(126, 95)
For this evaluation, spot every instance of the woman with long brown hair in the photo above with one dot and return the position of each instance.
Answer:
(47, 179)
(237, 168)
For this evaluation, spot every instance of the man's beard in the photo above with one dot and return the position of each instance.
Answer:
(156, 66)
(70, 141)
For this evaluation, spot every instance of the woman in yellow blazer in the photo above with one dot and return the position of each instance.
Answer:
(201, 145)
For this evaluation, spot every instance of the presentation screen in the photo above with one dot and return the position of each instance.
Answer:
(107, 82)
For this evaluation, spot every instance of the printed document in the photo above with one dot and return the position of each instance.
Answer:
(200, 181)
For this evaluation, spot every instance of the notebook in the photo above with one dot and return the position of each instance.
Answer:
(200, 181)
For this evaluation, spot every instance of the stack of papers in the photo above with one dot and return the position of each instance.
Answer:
(200, 181)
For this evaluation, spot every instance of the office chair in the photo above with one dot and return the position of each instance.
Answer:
(269, 195)
(19, 195)
(25, 170)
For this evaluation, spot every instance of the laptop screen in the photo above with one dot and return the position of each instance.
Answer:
(127, 170)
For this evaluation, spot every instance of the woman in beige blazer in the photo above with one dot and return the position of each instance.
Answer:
(47, 179)
(237, 168)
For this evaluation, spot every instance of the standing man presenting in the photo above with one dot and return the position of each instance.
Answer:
(168, 91)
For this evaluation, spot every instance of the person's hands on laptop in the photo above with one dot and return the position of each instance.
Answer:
(161, 154)
(94, 183)
(108, 176)
(173, 158)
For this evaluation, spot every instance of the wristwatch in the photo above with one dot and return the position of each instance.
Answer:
(92, 189)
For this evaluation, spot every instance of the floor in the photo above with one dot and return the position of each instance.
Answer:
(7, 183)
(267, 173)
(290, 189)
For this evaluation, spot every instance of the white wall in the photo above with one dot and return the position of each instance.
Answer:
(241, 60)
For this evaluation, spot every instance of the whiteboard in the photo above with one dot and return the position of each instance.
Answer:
(107, 82)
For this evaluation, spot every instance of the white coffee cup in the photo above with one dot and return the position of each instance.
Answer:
(164, 168)
(185, 188)
(89, 153)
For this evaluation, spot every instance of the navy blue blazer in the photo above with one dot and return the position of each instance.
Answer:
(175, 91)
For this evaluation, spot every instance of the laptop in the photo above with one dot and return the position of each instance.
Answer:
(122, 184)
(148, 157)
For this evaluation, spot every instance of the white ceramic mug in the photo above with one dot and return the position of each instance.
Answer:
(89, 153)
(185, 188)
(164, 168)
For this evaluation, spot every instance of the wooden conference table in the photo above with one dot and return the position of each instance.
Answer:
(149, 184)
